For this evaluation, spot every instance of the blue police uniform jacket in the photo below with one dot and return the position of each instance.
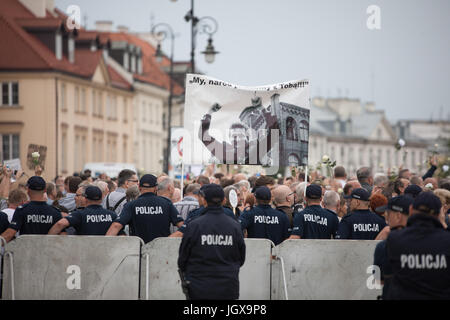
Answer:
(35, 217)
(314, 222)
(93, 220)
(198, 212)
(4, 223)
(149, 216)
(264, 222)
(360, 224)
(211, 253)
(420, 258)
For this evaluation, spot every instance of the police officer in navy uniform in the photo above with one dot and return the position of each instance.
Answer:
(420, 253)
(360, 223)
(314, 222)
(91, 221)
(397, 212)
(262, 221)
(212, 251)
(149, 216)
(35, 217)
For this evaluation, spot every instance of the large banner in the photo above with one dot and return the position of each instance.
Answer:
(230, 124)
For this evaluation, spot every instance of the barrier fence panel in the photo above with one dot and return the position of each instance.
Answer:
(325, 269)
(163, 281)
(254, 276)
(71, 267)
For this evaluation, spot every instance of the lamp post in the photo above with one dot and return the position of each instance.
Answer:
(163, 30)
(204, 25)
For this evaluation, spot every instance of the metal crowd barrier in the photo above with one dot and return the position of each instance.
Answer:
(88, 267)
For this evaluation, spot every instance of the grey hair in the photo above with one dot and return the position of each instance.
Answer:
(380, 180)
(164, 184)
(300, 190)
(331, 199)
(242, 183)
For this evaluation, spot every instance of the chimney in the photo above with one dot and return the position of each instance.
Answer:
(103, 26)
(37, 7)
(124, 29)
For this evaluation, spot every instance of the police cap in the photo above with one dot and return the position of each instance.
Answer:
(148, 181)
(399, 204)
(36, 183)
(427, 202)
(360, 194)
(263, 193)
(314, 191)
(212, 192)
(413, 190)
(93, 193)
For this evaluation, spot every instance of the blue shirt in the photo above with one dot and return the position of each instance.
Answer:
(35, 217)
(361, 225)
(92, 221)
(149, 216)
(265, 222)
(314, 222)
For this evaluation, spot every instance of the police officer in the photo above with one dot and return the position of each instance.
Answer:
(397, 211)
(35, 217)
(420, 253)
(263, 221)
(91, 221)
(212, 251)
(360, 223)
(314, 222)
(149, 216)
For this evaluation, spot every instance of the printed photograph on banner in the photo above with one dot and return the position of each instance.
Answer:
(232, 124)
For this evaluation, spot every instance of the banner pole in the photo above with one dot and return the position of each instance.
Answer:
(182, 178)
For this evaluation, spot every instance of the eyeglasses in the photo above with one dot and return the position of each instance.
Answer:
(136, 181)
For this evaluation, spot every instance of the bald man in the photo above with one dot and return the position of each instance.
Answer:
(239, 177)
(283, 198)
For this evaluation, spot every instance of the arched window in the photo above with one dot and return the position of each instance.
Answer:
(291, 129)
(304, 130)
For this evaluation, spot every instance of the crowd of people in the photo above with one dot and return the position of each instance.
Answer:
(363, 207)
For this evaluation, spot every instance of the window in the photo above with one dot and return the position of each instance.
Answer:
(63, 97)
(10, 93)
(125, 110)
(291, 129)
(304, 130)
(83, 100)
(94, 103)
(144, 112)
(9, 146)
(58, 45)
(99, 104)
(77, 99)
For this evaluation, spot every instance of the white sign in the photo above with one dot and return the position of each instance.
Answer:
(13, 164)
(233, 198)
(230, 124)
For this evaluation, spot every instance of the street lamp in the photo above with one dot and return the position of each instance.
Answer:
(163, 30)
(204, 25)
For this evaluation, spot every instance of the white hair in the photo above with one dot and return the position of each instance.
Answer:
(300, 190)
(331, 199)
(242, 183)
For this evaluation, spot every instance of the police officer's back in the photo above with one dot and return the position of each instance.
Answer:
(396, 215)
(149, 216)
(420, 254)
(314, 222)
(35, 217)
(212, 251)
(262, 221)
(92, 220)
(360, 223)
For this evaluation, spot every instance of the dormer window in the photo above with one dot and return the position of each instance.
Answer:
(133, 63)
(126, 60)
(139, 65)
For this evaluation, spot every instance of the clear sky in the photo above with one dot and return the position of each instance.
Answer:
(404, 67)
